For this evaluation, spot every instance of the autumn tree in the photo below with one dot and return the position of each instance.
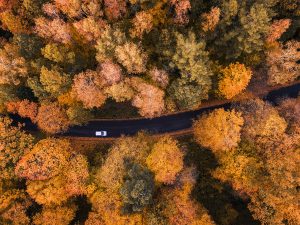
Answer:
(109, 39)
(55, 29)
(89, 28)
(110, 174)
(234, 79)
(13, 68)
(109, 74)
(142, 23)
(106, 209)
(72, 8)
(282, 63)
(46, 159)
(54, 81)
(24, 108)
(267, 174)
(77, 175)
(50, 10)
(210, 19)
(12, 22)
(290, 109)
(13, 144)
(165, 160)
(48, 192)
(87, 91)
(219, 130)
(160, 77)
(262, 121)
(179, 207)
(52, 118)
(181, 10)
(138, 188)
(13, 207)
(55, 215)
(121, 91)
(132, 57)
(187, 95)
(58, 53)
(148, 99)
(114, 9)
(277, 28)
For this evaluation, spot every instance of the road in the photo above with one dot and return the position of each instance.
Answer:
(159, 125)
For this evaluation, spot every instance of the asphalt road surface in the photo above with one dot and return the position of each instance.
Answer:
(163, 124)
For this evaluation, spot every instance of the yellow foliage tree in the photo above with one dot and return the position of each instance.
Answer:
(48, 192)
(13, 144)
(110, 174)
(106, 210)
(55, 215)
(262, 121)
(219, 130)
(13, 207)
(165, 160)
(234, 79)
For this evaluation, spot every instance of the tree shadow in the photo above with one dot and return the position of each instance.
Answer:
(225, 207)
(84, 207)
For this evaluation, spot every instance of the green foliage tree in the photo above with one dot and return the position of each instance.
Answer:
(29, 45)
(138, 188)
(192, 60)
(187, 95)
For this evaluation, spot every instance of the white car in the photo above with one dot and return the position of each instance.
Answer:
(101, 133)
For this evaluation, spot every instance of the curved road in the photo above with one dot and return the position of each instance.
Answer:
(159, 125)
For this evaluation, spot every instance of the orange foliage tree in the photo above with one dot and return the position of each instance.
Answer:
(181, 9)
(72, 8)
(142, 23)
(268, 175)
(165, 160)
(114, 9)
(219, 130)
(47, 158)
(234, 79)
(87, 90)
(52, 118)
(277, 28)
(24, 108)
(210, 19)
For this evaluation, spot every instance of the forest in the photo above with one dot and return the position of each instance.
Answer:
(66, 62)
